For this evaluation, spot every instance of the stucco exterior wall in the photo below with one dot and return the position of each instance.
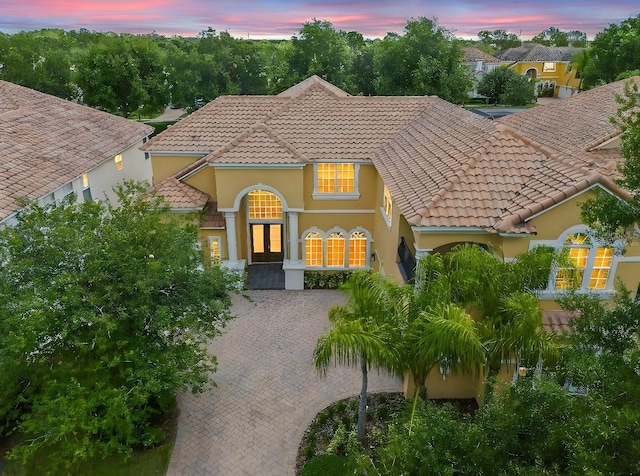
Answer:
(105, 177)
(287, 181)
(205, 180)
(166, 165)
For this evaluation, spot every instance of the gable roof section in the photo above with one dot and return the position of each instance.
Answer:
(445, 167)
(471, 54)
(533, 52)
(45, 142)
(575, 127)
(179, 195)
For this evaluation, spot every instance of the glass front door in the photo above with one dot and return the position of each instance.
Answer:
(266, 242)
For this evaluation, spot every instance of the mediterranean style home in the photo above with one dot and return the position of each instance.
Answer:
(50, 148)
(316, 179)
(549, 66)
(478, 64)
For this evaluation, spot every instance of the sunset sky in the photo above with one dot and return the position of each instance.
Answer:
(283, 18)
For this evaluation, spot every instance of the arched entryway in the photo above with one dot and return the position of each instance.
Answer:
(265, 220)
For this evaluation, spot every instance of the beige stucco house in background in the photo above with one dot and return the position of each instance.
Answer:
(478, 64)
(50, 148)
(549, 66)
(317, 179)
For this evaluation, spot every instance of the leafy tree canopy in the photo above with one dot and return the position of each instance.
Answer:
(614, 51)
(425, 61)
(505, 86)
(104, 315)
(499, 40)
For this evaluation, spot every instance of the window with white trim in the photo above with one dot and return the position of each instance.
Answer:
(85, 181)
(313, 244)
(118, 160)
(336, 181)
(336, 249)
(357, 250)
(591, 264)
(548, 67)
(264, 205)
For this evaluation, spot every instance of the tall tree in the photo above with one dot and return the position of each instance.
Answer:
(499, 40)
(320, 49)
(105, 313)
(613, 51)
(425, 61)
(362, 333)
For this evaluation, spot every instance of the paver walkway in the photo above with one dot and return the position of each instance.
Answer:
(268, 391)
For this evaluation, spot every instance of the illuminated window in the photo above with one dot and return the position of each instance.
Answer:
(335, 250)
(548, 67)
(336, 180)
(214, 246)
(118, 160)
(591, 264)
(357, 250)
(313, 249)
(85, 181)
(387, 204)
(264, 205)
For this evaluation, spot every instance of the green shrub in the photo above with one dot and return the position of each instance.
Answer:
(325, 279)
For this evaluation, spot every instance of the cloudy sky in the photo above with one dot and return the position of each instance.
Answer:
(283, 18)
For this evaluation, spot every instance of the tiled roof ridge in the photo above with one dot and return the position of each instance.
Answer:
(257, 127)
(538, 147)
(180, 174)
(602, 140)
(454, 180)
(183, 188)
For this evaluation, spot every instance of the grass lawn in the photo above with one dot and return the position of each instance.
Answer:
(329, 465)
(146, 463)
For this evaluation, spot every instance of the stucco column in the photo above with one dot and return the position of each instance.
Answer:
(293, 237)
(232, 242)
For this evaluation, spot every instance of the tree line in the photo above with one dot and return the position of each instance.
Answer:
(142, 74)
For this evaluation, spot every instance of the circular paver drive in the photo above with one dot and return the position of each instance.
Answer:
(268, 391)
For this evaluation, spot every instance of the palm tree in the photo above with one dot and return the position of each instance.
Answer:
(363, 332)
(579, 62)
(444, 334)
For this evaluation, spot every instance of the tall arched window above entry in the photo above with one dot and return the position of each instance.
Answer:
(591, 264)
(264, 205)
(313, 250)
(357, 250)
(335, 250)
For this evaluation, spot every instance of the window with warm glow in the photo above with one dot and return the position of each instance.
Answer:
(387, 204)
(548, 67)
(335, 250)
(336, 178)
(118, 160)
(214, 245)
(591, 264)
(357, 250)
(264, 205)
(313, 249)
(85, 181)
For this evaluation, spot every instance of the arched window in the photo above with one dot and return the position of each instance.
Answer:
(357, 250)
(264, 205)
(591, 264)
(313, 249)
(335, 250)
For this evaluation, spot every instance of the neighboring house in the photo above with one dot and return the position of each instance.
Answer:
(478, 63)
(549, 66)
(50, 148)
(317, 179)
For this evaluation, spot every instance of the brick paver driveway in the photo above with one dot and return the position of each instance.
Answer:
(268, 391)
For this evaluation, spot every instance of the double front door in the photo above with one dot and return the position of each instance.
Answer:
(266, 242)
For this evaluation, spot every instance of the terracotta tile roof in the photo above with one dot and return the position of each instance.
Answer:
(444, 166)
(45, 142)
(557, 322)
(575, 127)
(532, 52)
(180, 195)
(471, 54)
